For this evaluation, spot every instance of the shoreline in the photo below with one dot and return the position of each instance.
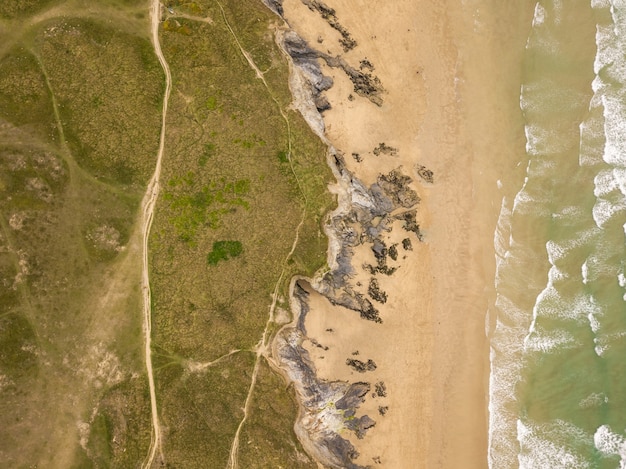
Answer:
(430, 352)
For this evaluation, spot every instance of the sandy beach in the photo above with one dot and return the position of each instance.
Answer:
(449, 105)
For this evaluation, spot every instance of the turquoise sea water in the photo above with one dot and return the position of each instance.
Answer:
(558, 379)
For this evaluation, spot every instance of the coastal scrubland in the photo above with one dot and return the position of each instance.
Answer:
(243, 197)
(74, 158)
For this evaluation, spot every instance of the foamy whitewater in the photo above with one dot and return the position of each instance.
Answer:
(558, 349)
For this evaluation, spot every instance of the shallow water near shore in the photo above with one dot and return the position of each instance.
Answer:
(557, 387)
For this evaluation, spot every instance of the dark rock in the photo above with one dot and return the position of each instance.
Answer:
(353, 396)
(410, 223)
(375, 292)
(393, 252)
(275, 5)
(380, 249)
(407, 245)
(426, 174)
(361, 367)
(381, 389)
(396, 185)
(360, 425)
(382, 410)
(343, 450)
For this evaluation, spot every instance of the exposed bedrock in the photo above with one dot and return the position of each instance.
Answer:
(363, 216)
(326, 407)
(329, 407)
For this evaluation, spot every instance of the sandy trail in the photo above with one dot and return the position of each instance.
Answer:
(148, 204)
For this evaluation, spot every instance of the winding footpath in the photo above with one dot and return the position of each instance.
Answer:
(148, 204)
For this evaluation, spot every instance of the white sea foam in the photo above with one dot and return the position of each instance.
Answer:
(595, 399)
(605, 183)
(604, 342)
(570, 212)
(555, 445)
(584, 270)
(540, 15)
(605, 210)
(594, 322)
(610, 443)
(621, 279)
(542, 141)
(549, 341)
(614, 128)
(551, 304)
(558, 251)
(506, 364)
(600, 4)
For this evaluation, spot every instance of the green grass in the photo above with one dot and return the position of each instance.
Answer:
(226, 126)
(70, 326)
(223, 250)
(71, 340)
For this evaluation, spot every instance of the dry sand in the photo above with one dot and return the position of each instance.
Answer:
(450, 103)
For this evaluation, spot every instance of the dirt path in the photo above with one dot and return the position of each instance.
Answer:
(148, 203)
(263, 349)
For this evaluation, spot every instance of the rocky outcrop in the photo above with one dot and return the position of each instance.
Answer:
(325, 407)
(363, 216)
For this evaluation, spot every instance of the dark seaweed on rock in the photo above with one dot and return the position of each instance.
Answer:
(366, 85)
(375, 292)
(407, 245)
(366, 64)
(426, 174)
(396, 185)
(385, 150)
(410, 223)
(393, 252)
(380, 253)
(357, 302)
(361, 367)
(347, 41)
(381, 389)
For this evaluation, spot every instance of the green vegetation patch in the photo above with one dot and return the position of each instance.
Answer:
(195, 206)
(227, 132)
(224, 250)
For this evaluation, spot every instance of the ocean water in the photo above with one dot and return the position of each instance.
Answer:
(558, 349)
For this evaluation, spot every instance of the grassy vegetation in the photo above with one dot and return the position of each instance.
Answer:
(80, 102)
(223, 250)
(71, 364)
(268, 440)
(110, 114)
(21, 8)
(212, 290)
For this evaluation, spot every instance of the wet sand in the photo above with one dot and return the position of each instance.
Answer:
(450, 104)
